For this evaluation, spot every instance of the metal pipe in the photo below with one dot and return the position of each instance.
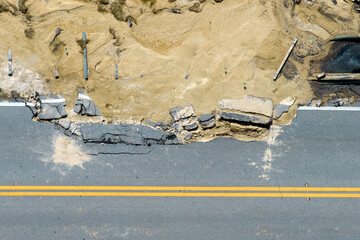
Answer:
(86, 72)
(116, 72)
(285, 59)
(10, 72)
(56, 73)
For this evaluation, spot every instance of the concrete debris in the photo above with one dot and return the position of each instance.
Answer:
(245, 118)
(151, 123)
(314, 103)
(125, 133)
(249, 104)
(182, 112)
(321, 75)
(187, 136)
(85, 106)
(64, 124)
(207, 121)
(52, 107)
(191, 126)
(283, 106)
(161, 125)
(185, 124)
(342, 102)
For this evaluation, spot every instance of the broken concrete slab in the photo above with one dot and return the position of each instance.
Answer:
(249, 104)
(64, 124)
(283, 106)
(52, 107)
(207, 121)
(245, 118)
(178, 113)
(85, 106)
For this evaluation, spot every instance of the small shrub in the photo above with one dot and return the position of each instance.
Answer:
(117, 42)
(80, 42)
(4, 7)
(102, 9)
(112, 32)
(22, 7)
(29, 33)
(57, 45)
(152, 2)
(116, 9)
(104, 2)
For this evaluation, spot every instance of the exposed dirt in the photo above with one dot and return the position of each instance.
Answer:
(222, 46)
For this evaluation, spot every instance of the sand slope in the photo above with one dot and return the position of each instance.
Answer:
(249, 38)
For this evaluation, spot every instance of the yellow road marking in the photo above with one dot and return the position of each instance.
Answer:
(185, 194)
(177, 188)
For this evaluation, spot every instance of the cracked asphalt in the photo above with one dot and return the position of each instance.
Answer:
(319, 149)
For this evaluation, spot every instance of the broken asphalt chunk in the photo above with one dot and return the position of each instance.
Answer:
(85, 106)
(52, 107)
(207, 121)
(125, 133)
(245, 118)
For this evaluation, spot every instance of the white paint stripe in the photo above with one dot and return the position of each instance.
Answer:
(12, 104)
(59, 100)
(83, 96)
(30, 104)
(307, 108)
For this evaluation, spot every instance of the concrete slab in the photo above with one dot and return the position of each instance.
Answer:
(249, 104)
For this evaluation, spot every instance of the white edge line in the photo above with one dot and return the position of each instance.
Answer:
(308, 108)
(16, 104)
(12, 104)
(83, 96)
(60, 100)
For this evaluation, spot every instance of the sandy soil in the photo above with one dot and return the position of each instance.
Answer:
(223, 48)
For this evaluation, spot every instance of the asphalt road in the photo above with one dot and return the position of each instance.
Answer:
(318, 150)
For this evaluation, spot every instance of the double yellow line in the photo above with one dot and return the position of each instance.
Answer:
(177, 191)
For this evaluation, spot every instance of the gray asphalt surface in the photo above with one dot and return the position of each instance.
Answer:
(319, 148)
